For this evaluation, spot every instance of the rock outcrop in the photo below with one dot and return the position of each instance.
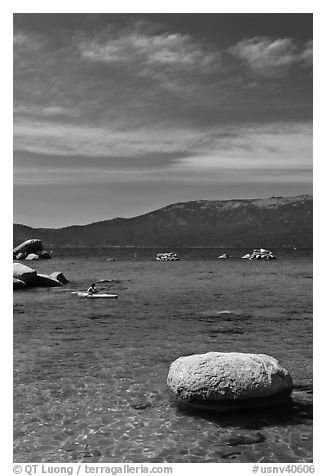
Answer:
(260, 254)
(30, 250)
(25, 277)
(227, 381)
(59, 277)
(28, 246)
(45, 281)
(24, 273)
(167, 257)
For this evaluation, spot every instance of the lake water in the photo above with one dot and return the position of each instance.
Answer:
(90, 375)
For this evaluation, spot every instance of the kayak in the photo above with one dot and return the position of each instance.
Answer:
(96, 296)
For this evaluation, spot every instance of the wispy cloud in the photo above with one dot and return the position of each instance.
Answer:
(273, 57)
(104, 141)
(160, 49)
(277, 146)
(141, 43)
(44, 112)
(179, 156)
(24, 40)
(162, 61)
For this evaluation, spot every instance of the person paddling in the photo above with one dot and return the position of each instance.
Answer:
(92, 289)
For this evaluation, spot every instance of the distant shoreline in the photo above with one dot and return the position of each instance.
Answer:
(276, 222)
(285, 247)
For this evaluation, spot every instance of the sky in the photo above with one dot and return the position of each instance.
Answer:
(121, 114)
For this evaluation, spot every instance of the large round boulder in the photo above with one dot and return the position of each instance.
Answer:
(24, 273)
(227, 381)
(29, 246)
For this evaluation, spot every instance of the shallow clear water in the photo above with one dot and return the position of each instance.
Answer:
(90, 375)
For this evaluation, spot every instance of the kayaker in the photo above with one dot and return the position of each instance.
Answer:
(92, 289)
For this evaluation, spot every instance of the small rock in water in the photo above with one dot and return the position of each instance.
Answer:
(140, 405)
(231, 455)
(96, 453)
(71, 447)
(91, 453)
(87, 454)
(237, 440)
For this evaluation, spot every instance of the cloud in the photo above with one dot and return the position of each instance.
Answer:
(109, 140)
(163, 155)
(307, 53)
(252, 149)
(271, 57)
(24, 40)
(161, 49)
(141, 91)
(44, 112)
(141, 43)
(138, 75)
(167, 61)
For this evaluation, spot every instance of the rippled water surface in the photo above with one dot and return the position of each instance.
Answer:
(90, 375)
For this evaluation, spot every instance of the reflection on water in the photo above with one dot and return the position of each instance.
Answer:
(90, 376)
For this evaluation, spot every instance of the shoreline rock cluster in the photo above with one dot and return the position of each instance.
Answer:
(167, 257)
(260, 254)
(224, 382)
(30, 250)
(25, 277)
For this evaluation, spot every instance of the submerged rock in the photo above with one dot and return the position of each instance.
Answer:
(18, 284)
(227, 381)
(44, 255)
(59, 277)
(232, 455)
(250, 439)
(140, 405)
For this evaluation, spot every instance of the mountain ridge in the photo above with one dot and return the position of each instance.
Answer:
(273, 221)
